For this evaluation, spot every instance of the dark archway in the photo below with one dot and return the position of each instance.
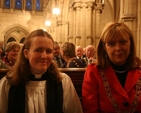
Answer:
(22, 40)
(11, 39)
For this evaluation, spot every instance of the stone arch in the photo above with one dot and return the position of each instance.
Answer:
(16, 31)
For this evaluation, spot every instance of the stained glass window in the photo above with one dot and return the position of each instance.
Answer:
(7, 4)
(37, 4)
(28, 4)
(18, 4)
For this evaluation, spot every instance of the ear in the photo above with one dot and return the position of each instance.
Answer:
(25, 52)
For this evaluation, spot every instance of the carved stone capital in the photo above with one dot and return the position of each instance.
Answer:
(78, 37)
(89, 37)
(62, 22)
(99, 7)
(83, 5)
(90, 4)
(77, 5)
(70, 37)
(127, 17)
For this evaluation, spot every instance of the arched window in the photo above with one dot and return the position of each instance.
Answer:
(7, 4)
(22, 40)
(11, 39)
(18, 4)
(28, 4)
(38, 5)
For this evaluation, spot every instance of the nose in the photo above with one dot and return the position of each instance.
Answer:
(44, 55)
(117, 46)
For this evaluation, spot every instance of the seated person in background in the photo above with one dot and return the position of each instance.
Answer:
(57, 55)
(68, 54)
(90, 55)
(1, 53)
(79, 53)
(84, 52)
(35, 85)
(3, 65)
(11, 53)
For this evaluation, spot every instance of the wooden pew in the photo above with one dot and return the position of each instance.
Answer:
(76, 75)
(3, 72)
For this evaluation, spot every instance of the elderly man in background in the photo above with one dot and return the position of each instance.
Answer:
(90, 55)
(79, 54)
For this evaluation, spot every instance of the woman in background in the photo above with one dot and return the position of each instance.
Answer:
(68, 54)
(11, 53)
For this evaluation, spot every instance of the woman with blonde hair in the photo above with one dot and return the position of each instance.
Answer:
(113, 85)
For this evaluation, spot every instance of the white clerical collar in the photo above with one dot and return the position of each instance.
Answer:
(38, 75)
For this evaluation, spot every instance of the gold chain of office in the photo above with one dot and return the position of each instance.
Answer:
(112, 99)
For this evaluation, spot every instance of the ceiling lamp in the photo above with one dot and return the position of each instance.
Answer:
(48, 23)
(56, 11)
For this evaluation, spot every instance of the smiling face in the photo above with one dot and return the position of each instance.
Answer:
(40, 54)
(118, 49)
(79, 51)
(13, 53)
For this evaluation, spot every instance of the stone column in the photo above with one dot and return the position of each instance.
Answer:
(128, 15)
(77, 7)
(70, 17)
(98, 10)
(70, 39)
(66, 28)
(59, 25)
(89, 23)
(77, 40)
(1, 5)
(138, 41)
(83, 23)
(12, 5)
(23, 6)
(89, 40)
(64, 31)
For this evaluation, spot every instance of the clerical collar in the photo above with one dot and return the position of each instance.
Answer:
(37, 77)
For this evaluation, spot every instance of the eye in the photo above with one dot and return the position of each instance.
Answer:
(111, 43)
(38, 50)
(123, 42)
(49, 51)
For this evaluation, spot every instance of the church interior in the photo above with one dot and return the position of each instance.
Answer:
(76, 21)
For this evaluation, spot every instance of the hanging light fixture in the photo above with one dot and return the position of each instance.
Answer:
(48, 23)
(56, 10)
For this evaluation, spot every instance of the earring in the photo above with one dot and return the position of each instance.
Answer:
(106, 55)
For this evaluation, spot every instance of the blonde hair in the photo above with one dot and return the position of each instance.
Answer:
(21, 71)
(110, 31)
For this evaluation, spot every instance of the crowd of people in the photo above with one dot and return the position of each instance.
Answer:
(112, 80)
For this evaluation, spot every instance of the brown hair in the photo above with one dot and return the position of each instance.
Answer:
(11, 45)
(112, 30)
(68, 49)
(21, 71)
